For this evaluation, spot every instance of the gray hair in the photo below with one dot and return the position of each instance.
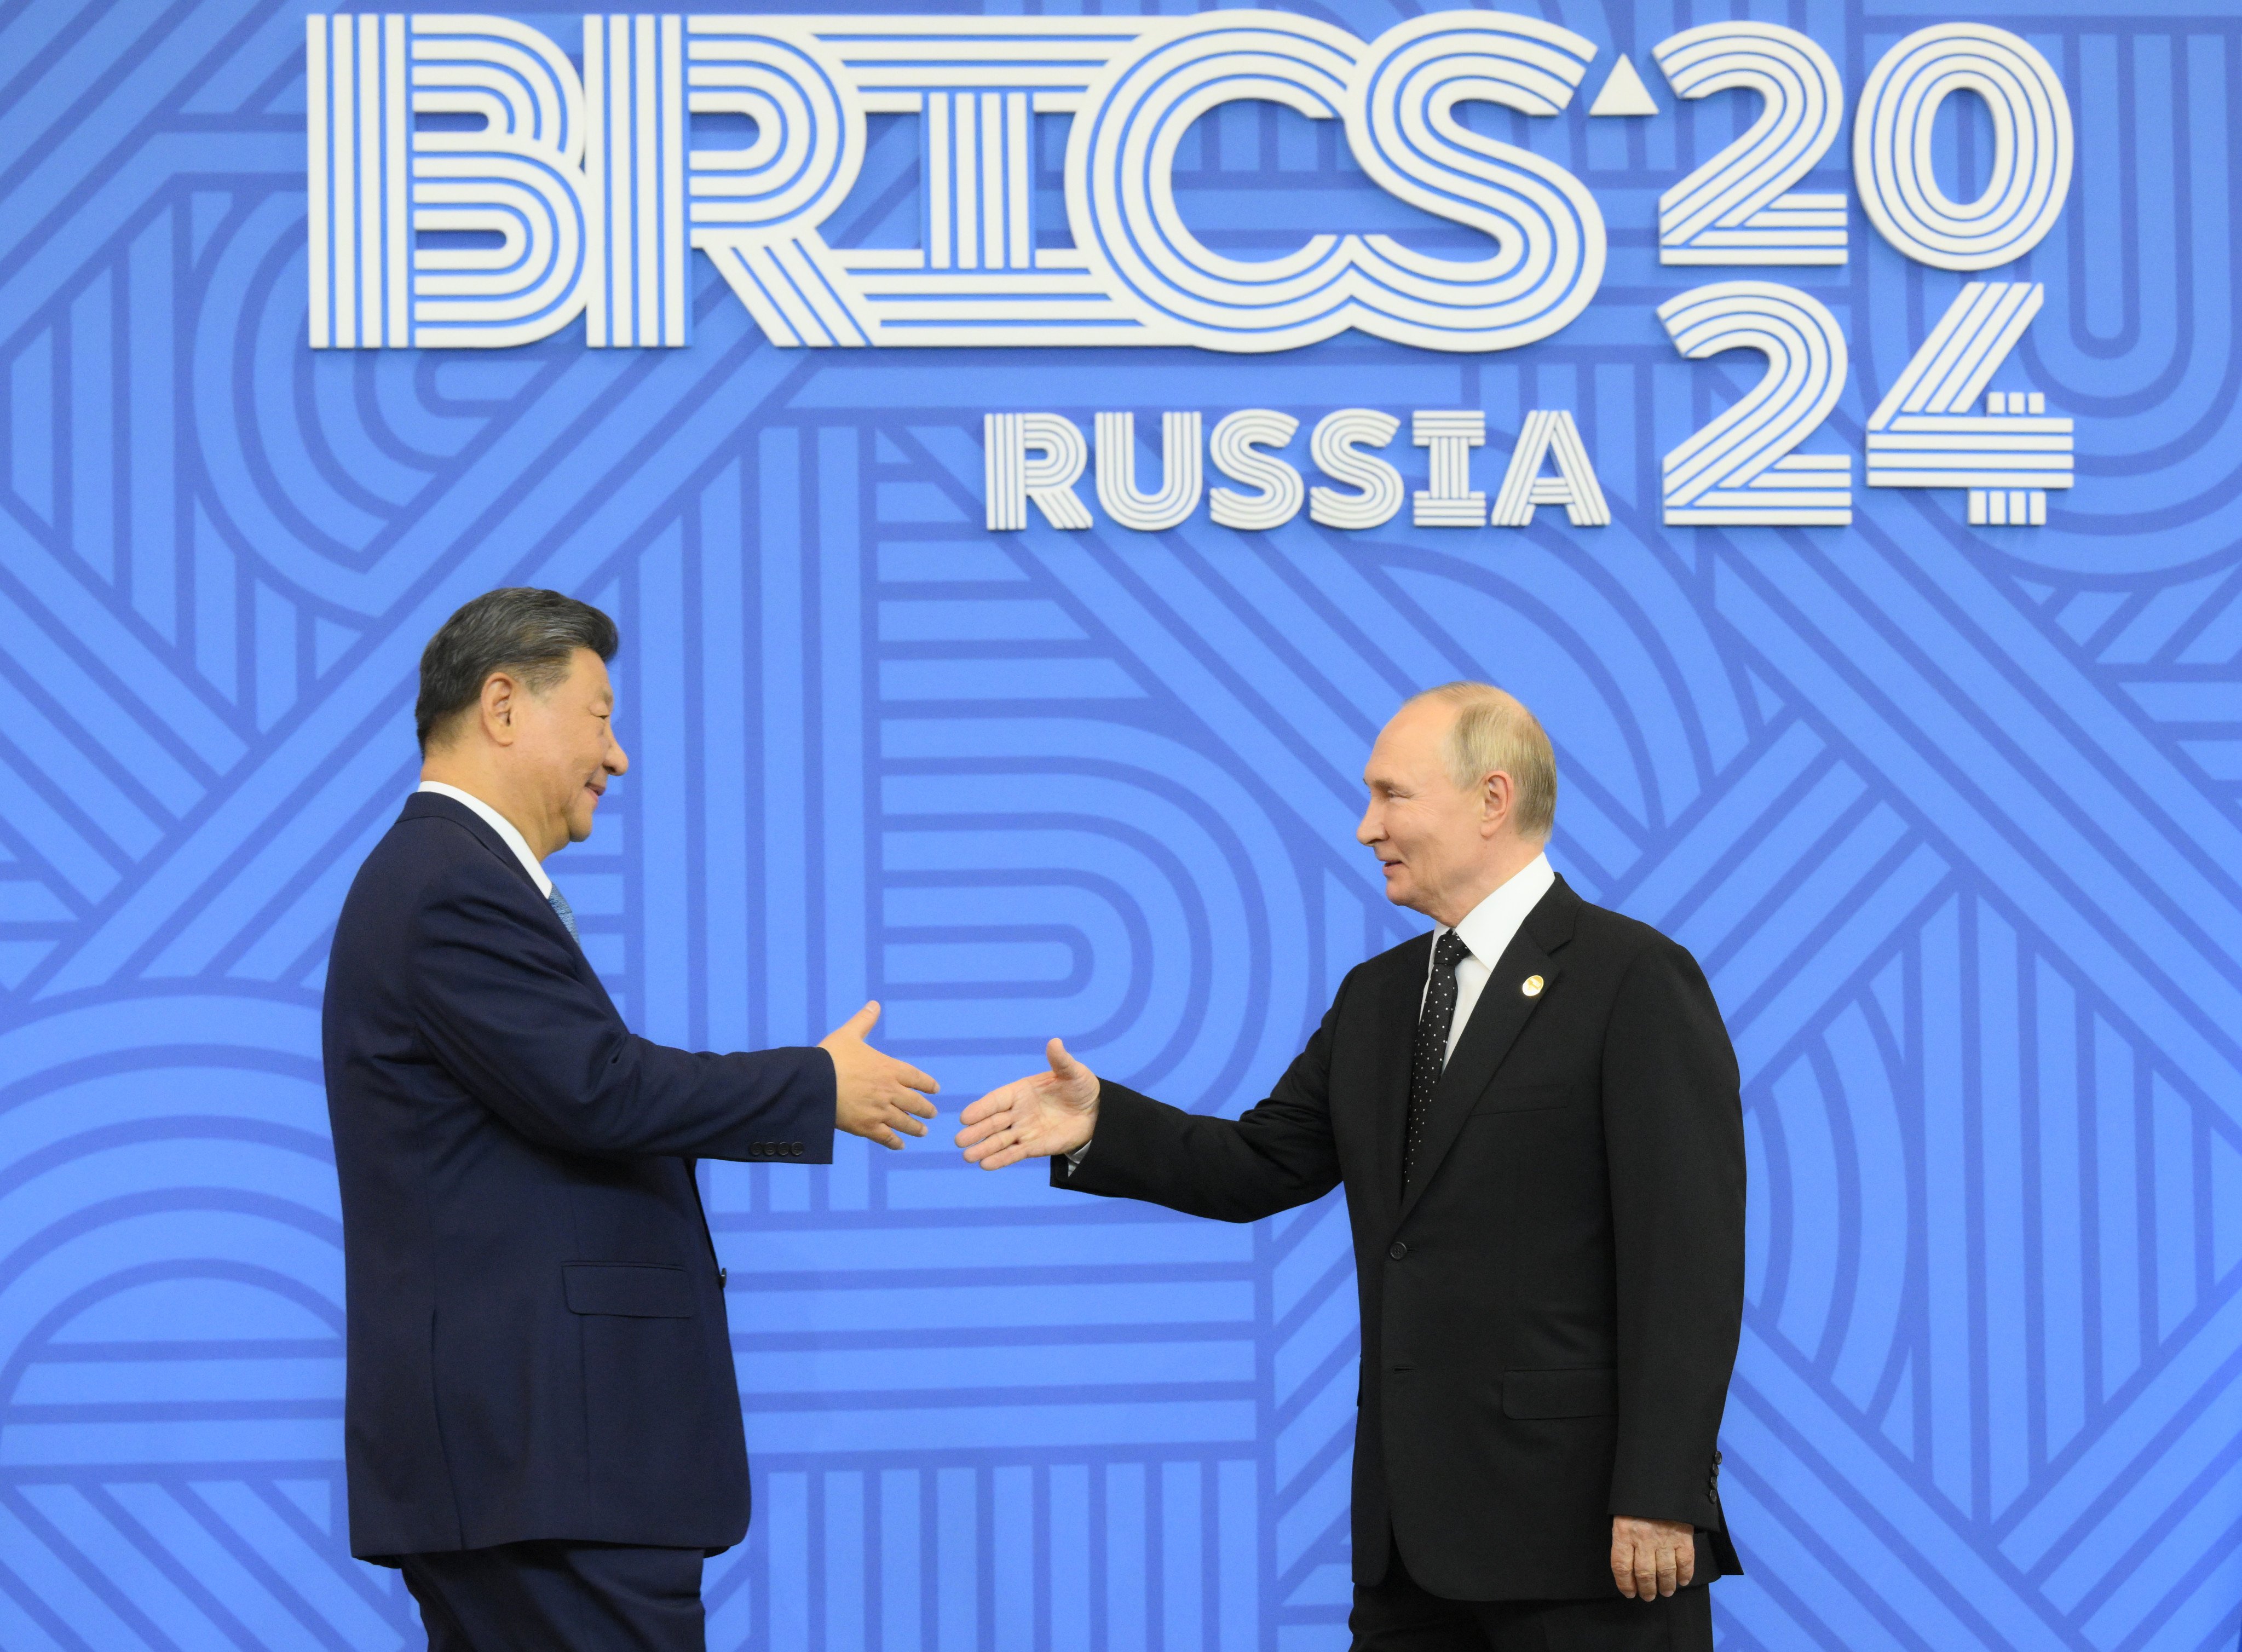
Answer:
(530, 633)
(1493, 730)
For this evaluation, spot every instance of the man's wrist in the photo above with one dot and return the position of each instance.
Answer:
(1075, 1156)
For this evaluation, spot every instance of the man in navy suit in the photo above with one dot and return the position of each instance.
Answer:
(542, 1426)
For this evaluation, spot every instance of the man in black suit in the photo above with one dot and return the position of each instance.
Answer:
(542, 1426)
(1533, 1111)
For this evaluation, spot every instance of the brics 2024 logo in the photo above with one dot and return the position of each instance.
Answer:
(590, 198)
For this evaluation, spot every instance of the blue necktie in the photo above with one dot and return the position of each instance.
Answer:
(567, 914)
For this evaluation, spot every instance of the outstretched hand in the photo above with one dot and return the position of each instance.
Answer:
(1039, 1116)
(875, 1095)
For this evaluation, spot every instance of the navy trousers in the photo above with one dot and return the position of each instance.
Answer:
(559, 1597)
(1396, 1615)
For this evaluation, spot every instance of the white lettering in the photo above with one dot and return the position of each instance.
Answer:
(1337, 443)
(1181, 481)
(1449, 501)
(1234, 448)
(1013, 479)
(1574, 485)
(1239, 450)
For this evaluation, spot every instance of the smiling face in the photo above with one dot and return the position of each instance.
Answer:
(542, 760)
(1443, 846)
(566, 750)
(1422, 826)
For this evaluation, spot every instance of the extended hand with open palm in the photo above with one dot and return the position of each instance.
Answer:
(875, 1095)
(1037, 1117)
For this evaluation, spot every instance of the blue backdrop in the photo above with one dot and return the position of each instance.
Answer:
(1952, 815)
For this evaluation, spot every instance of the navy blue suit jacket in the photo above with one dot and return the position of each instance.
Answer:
(537, 1338)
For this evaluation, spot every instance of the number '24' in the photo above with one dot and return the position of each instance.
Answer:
(1741, 469)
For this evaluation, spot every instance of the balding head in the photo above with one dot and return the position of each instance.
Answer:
(1463, 791)
(1494, 733)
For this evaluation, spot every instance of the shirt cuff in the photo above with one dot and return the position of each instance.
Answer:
(1074, 1159)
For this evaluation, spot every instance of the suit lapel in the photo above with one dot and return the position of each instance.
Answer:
(451, 809)
(1503, 1009)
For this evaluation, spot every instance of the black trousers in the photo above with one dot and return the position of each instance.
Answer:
(1396, 1614)
(559, 1597)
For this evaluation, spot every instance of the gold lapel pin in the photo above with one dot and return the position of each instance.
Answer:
(1531, 986)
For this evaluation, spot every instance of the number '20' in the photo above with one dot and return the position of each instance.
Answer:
(1738, 208)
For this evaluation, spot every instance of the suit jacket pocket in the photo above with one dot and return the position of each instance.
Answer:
(1583, 1391)
(1517, 1099)
(635, 1290)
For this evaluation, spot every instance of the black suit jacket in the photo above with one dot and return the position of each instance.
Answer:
(1550, 1314)
(537, 1338)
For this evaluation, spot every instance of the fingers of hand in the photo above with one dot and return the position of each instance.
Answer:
(1004, 1099)
(856, 1025)
(1670, 1570)
(991, 1112)
(876, 1114)
(886, 1137)
(1622, 1567)
(1687, 1553)
(994, 1144)
(911, 1102)
(1646, 1572)
(995, 1152)
(991, 1125)
(905, 1073)
(1063, 1064)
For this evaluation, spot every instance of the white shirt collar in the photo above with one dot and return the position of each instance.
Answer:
(514, 841)
(1488, 928)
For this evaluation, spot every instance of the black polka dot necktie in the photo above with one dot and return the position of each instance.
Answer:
(1431, 1054)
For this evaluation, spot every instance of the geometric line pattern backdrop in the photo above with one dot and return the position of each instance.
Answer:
(1952, 815)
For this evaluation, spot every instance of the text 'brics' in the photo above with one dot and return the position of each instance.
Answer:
(472, 185)
(1037, 458)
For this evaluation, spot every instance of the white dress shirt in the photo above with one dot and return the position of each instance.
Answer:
(1487, 929)
(498, 823)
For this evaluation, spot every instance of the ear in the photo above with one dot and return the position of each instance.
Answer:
(1496, 799)
(500, 697)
